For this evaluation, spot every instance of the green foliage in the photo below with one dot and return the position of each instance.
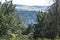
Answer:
(13, 36)
(6, 17)
(40, 26)
(12, 29)
(10, 25)
(29, 29)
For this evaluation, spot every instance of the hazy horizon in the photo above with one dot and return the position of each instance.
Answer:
(32, 2)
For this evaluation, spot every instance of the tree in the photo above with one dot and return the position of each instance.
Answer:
(54, 17)
(9, 23)
(29, 29)
(40, 26)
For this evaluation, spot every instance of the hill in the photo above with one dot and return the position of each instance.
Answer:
(28, 13)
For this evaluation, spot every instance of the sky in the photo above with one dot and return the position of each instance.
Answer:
(33, 2)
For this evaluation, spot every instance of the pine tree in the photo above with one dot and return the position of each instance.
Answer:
(9, 22)
(40, 26)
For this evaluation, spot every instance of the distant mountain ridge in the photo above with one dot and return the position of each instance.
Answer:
(40, 6)
(18, 5)
(31, 8)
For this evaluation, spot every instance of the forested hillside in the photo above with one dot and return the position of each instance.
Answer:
(42, 24)
(28, 13)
